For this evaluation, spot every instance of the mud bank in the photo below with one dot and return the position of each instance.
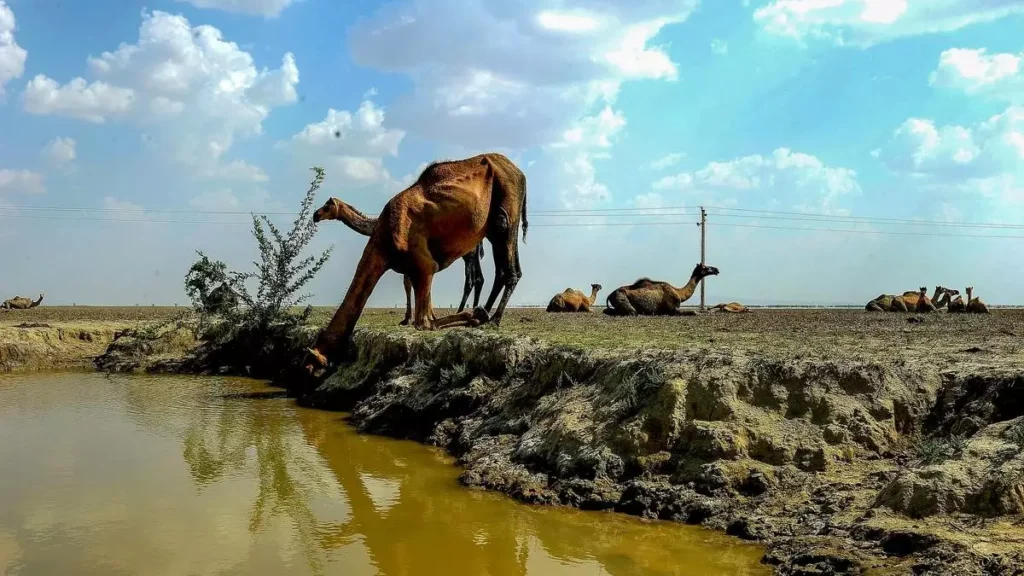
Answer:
(838, 466)
(28, 346)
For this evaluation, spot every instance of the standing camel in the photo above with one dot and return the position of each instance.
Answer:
(438, 219)
(653, 298)
(20, 303)
(571, 300)
(335, 209)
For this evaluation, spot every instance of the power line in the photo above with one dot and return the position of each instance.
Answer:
(886, 232)
(568, 211)
(875, 219)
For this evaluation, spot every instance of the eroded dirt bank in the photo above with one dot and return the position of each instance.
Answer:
(838, 466)
(27, 346)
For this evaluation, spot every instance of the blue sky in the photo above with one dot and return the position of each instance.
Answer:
(819, 115)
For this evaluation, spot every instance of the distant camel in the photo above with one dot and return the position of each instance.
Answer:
(648, 297)
(335, 209)
(909, 301)
(20, 303)
(975, 305)
(957, 306)
(571, 300)
(939, 300)
(731, 307)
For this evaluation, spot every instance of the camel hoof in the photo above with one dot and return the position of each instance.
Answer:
(404, 322)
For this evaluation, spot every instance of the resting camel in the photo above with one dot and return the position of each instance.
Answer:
(438, 219)
(20, 303)
(571, 300)
(731, 307)
(975, 305)
(335, 209)
(648, 297)
(912, 301)
(957, 306)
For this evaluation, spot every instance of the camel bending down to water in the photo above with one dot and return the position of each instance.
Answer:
(571, 300)
(648, 297)
(438, 219)
(20, 303)
(335, 209)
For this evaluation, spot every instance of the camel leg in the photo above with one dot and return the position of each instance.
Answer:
(478, 281)
(468, 286)
(407, 282)
(509, 253)
(424, 316)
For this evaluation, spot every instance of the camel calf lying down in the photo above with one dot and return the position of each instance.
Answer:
(570, 300)
(647, 297)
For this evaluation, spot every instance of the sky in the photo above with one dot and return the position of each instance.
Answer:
(133, 134)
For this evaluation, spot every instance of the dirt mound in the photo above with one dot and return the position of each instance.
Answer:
(41, 346)
(820, 459)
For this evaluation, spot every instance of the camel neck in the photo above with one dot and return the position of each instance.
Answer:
(686, 291)
(593, 296)
(354, 219)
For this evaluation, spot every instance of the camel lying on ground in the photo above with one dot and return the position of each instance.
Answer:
(571, 300)
(957, 306)
(648, 297)
(438, 219)
(731, 307)
(335, 209)
(20, 303)
(975, 305)
(912, 301)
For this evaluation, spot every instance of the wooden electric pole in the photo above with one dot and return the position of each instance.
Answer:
(703, 243)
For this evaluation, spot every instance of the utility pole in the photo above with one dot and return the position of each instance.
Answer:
(703, 242)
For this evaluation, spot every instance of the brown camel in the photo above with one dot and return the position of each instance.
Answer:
(648, 297)
(975, 305)
(886, 303)
(335, 209)
(731, 307)
(571, 300)
(20, 303)
(957, 306)
(911, 301)
(438, 219)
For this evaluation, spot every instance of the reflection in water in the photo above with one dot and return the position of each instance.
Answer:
(173, 475)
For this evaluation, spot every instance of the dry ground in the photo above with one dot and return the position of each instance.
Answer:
(996, 338)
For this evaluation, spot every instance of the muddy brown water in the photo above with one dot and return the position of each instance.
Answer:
(180, 475)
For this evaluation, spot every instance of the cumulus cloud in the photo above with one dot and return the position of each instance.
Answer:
(60, 151)
(532, 73)
(976, 72)
(786, 177)
(353, 144)
(191, 89)
(12, 56)
(959, 154)
(21, 182)
(869, 22)
(265, 8)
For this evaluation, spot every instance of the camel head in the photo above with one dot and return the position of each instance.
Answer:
(970, 290)
(924, 290)
(596, 287)
(950, 292)
(328, 211)
(701, 271)
(314, 361)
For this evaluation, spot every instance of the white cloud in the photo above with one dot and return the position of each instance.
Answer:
(21, 182)
(989, 149)
(221, 199)
(265, 8)
(533, 72)
(122, 210)
(12, 56)
(719, 46)
(238, 170)
(976, 72)
(352, 143)
(593, 131)
(785, 176)
(668, 160)
(188, 86)
(869, 22)
(60, 151)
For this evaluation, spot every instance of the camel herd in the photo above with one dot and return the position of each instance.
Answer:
(447, 213)
(919, 301)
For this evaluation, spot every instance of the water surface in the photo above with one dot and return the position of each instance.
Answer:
(179, 475)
